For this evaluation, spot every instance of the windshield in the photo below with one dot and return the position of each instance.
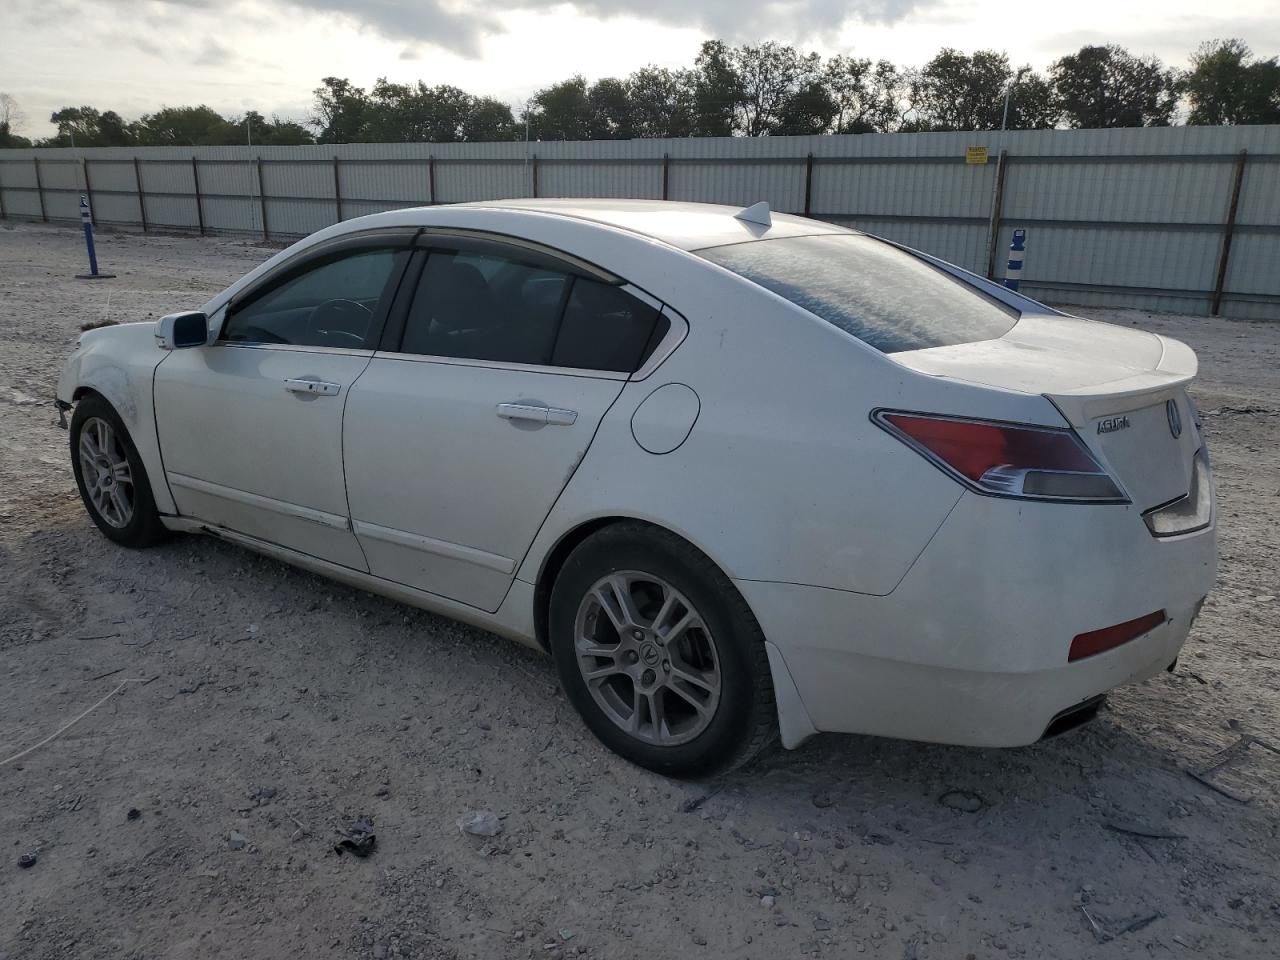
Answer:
(882, 295)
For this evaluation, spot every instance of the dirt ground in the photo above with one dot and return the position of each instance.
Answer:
(283, 706)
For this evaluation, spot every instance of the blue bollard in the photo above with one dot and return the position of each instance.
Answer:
(86, 220)
(1017, 251)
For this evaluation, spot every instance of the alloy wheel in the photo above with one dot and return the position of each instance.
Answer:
(648, 658)
(104, 468)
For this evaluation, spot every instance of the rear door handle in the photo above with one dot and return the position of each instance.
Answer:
(537, 413)
(322, 388)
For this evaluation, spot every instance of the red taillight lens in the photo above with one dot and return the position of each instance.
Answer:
(1099, 641)
(1005, 459)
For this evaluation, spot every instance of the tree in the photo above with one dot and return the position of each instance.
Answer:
(811, 109)
(187, 126)
(663, 102)
(717, 90)
(1227, 85)
(341, 109)
(269, 133)
(11, 117)
(1110, 87)
(956, 91)
(610, 102)
(489, 120)
(1032, 103)
(769, 77)
(87, 127)
(563, 111)
(867, 98)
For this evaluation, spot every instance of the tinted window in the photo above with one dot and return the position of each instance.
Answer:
(330, 305)
(605, 328)
(880, 294)
(485, 307)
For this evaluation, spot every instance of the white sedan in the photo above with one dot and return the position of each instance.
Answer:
(743, 475)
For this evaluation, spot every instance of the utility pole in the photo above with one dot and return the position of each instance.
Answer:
(1004, 122)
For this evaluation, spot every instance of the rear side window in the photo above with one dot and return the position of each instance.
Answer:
(884, 296)
(484, 306)
(606, 328)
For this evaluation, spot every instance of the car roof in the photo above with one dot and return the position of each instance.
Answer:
(684, 226)
(687, 226)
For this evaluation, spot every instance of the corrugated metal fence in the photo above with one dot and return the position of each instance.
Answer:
(1179, 218)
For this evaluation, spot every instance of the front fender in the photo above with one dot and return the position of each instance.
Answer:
(119, 362)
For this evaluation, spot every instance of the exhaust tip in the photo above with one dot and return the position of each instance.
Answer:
(1073, 717)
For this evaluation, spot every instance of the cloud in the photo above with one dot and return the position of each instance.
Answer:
(462, 27)
(213, 54)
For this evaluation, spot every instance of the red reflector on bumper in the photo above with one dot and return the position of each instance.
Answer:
(1100, 641)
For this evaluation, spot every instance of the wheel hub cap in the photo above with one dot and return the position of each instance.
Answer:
(648, 658)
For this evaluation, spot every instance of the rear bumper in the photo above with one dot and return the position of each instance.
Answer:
(972, 646)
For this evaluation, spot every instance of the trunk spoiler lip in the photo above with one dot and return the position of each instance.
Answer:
(1159, 369)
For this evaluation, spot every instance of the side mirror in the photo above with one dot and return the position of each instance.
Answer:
(177, 331)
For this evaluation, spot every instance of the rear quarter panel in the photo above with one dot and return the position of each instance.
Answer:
(783, 476)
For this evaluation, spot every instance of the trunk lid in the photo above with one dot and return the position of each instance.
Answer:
(1122, 390)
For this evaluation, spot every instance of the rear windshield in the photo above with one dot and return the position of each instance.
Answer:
(880, 294)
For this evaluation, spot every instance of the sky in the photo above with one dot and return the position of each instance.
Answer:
(134, 56)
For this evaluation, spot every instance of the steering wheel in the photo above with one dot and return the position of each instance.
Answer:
(329, 319)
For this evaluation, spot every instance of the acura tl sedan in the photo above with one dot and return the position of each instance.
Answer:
(744, 476)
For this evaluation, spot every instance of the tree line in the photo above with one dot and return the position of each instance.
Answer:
(769, 89)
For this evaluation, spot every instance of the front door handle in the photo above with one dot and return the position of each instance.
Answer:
(537, 413)
(322, 388)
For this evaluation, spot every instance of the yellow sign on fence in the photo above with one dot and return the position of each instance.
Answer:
(975, 155)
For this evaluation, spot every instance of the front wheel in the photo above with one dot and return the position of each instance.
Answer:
(660, 654)
(109, 473)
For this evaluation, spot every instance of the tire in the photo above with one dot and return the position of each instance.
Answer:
(119, 501)
(708, 684)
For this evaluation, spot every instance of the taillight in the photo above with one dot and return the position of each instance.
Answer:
(1006, 459)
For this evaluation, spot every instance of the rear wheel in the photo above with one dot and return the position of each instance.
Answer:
(109, 473)
(660, 654)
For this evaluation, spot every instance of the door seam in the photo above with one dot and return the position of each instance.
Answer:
(565, 486)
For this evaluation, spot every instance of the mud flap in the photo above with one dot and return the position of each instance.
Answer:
(794, 724)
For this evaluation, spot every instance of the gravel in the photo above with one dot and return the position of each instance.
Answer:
(320, 704)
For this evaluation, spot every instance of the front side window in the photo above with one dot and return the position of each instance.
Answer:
(884, 296)
(484, 306)
(329, 305)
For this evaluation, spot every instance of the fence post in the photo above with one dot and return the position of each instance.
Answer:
(431, 178)
(262, 203)
(535, 175)
(142, 197)
(44, 214)
(808, 181)
(666, 172)
(1228, 231)
(997, 208)
(2, 216)
(337, 189)
(195, 182)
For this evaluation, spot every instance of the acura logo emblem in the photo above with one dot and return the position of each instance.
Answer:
(1175, 418)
